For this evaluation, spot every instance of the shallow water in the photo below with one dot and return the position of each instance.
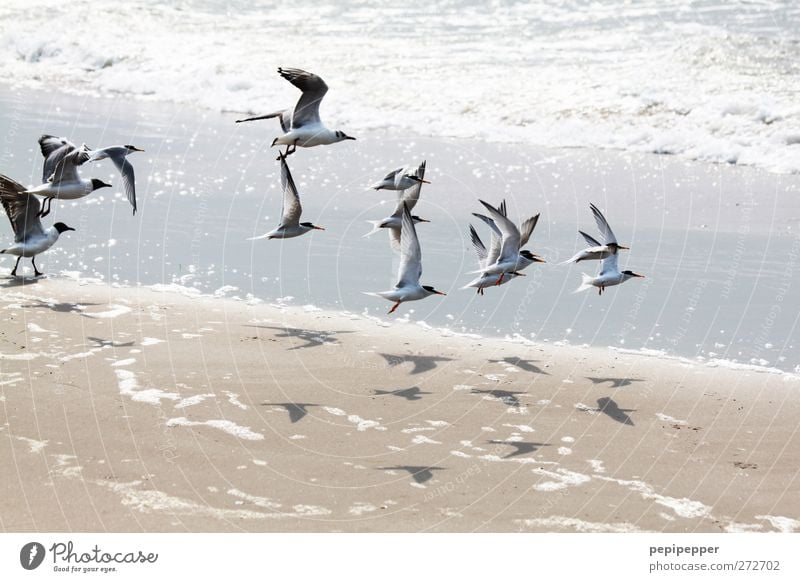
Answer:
(713, 80)
(719, 245)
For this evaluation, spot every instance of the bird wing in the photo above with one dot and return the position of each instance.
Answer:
(602, 224)
(313, 87)
(497, 237)
(527, 229)
(480, 249)
(509, 249)
(395, 236)
(593, 242)
(22, 209)
(66, 170)
(118, 156)
(410, 196)
(53, 150)
(290, 213)
(410, 254)
(609, 265)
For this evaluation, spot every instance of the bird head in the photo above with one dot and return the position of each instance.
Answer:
(310, 225)
(618, 246)
(416, 218)
(531, 257)
(131, 148)
(432, 291)
(97, 184)
(343, 136)
(61, 227)
(630, 274)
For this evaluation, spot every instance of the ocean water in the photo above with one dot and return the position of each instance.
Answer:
(719, 245)
(709, 80)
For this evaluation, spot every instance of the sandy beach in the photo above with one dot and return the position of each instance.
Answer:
(159, 409)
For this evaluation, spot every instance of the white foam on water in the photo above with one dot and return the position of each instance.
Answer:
(34, 446)
(192, 400)
(227, 426)
(234, 399)
(782, 524)
(421, 439)
(20, 357)
(115, 311)
(683, 507)
(561, 479)
(417, 429)
(577, 525)
(521, 427)
(34, 328)
(129, 386)
(359, 508)
(564, 451)
(597, 465)
(151, 341)
(125, 362)
(734, 527)
(667, 418)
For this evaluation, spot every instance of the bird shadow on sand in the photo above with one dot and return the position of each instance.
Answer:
(61, 307)
(312, 338)
(507, 397)
(297, 410)
(521, 447)
(419, 474)
(10, 282)
(408, 393)
(526, 365)
(421, 363)
(607, 406)
(104, 343)
(615, 382)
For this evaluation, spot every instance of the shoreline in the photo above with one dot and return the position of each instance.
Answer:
(153, 411)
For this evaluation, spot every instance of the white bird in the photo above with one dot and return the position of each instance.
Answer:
(488, 257)
(65, 183)
(402, 178)
(30, 238)
(290, 225)
(408, 197)
(609, 276)
(408, 287)
(306, 129)
(597, 250)
(510, 260)
(55, 149)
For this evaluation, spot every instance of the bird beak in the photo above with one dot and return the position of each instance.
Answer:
(638, 275)
(624, 248)
(348, 137)
(134, 148)
(274, 141)
(423, 220)
(318, 228)
(538, 260)
(68, 228)
(440, 293)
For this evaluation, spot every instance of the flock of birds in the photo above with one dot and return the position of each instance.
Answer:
(500, 263)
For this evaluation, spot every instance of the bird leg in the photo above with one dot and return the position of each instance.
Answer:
(14, 270)
(45, 210)
(600, 289)
(395, 306)
(480, 290)
(500, 280)
(36, 272)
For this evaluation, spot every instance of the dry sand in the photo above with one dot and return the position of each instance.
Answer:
(127, 409)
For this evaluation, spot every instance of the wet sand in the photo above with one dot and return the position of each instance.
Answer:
(140, 409)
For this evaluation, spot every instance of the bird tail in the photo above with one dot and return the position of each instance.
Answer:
(259, 237)
(372, 294)
(586, 283)
(376, 226)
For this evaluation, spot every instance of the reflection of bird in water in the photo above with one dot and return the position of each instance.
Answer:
(609, 407)
(523, 448)
(296, 410)
(408, 393)
(419, 474)
(507, 397)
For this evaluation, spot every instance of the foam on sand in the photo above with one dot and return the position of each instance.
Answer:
(230, 427)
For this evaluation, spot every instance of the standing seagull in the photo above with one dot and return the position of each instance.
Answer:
(596, 250)
(609, 276)
(402, 178)
(54, 149)
(408, 197)
(290, 225)
(30, 238)
(408, 287)
(306, 129)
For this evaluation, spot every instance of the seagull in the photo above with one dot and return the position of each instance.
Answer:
(488, 257)
(290, 225)
(409, 197)
(305, 129)
(609, 276)
(54, 149)
(597, 250)
(408, 287)
(65, 183)
(402, 178)
(30, 238)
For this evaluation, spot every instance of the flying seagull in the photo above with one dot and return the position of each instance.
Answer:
(597, 250)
